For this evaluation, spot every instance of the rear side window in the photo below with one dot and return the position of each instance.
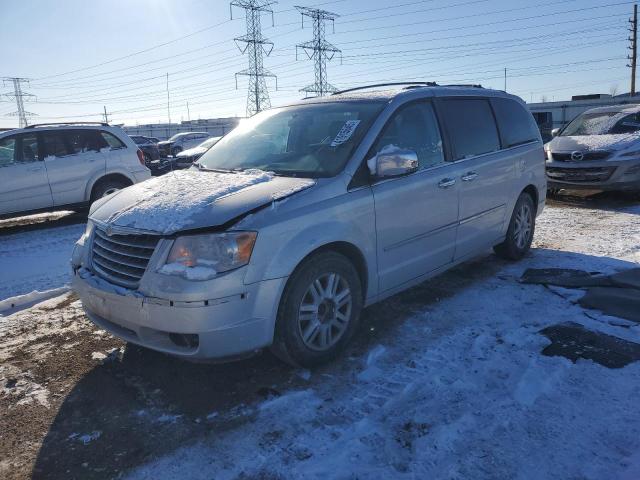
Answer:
(112, 140)
(54, 144)
(516, 124)
(8, 150)
(81, 141)
(471, 127)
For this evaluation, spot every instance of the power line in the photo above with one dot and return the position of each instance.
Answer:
(255, 47)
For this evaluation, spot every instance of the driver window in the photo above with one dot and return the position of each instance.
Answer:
(414, 127)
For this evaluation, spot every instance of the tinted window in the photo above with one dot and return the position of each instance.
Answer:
(471, 127)
(112, 140)
(516, 124)
(414, 127)
(29, 147)
(8, 149)
(54, 144)
(81, 141)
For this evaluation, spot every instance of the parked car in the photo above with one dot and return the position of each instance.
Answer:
(148, 146)
(65, 165)
(599, 149)
(186, 158)
(180, 142)
(303, 215)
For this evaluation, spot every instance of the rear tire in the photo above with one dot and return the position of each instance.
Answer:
(319, 311)
(521, 229)
(107, 187)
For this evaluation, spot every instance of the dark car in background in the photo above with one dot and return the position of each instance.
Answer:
(186, 158)
(180, 142)
(148, 145)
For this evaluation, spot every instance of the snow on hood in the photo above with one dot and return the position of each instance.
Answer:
(192, 199)
(595, 142)
(191, 152)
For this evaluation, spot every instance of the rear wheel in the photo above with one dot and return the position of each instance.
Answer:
(107, 187)
(319, 310)
(520, 231)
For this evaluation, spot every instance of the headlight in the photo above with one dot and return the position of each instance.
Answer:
(201, 257)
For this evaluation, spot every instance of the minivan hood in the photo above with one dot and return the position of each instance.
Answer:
(191, 199)
(594, 142)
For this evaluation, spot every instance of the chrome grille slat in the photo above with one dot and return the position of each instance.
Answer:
(122, 259)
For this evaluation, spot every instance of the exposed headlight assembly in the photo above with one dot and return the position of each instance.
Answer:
(201, 257)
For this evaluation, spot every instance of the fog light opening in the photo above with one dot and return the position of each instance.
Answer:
(185, 340)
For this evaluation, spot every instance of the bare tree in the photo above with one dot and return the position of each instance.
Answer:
(613, 90)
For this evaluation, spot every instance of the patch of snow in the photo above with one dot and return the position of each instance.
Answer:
(99, 283)
(11, 305)
(197, 272)
(87, 438)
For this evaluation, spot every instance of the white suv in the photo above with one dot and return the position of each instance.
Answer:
(50, 166)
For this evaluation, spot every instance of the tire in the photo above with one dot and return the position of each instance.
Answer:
(107, 187)
(315, 321)
(521, 229)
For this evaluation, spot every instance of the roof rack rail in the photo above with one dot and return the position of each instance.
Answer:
(66, 123)
(394, 84)
(468, 85)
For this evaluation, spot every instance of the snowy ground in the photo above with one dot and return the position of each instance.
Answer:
(447, 380)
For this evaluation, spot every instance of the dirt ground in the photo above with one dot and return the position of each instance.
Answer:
(76, 402)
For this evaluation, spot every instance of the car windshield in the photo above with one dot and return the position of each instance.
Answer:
(605, 123)
(314, 140)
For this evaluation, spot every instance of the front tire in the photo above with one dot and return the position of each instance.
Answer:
(319, 311)
(521, 229)
(107, 187)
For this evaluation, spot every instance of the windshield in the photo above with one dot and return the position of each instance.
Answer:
(603, 124)
(312, 141)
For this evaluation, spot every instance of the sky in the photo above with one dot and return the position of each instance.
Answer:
(82, 56)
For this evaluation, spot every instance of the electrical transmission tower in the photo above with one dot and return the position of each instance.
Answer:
(318, 49)
(255, 46)
(19, 96)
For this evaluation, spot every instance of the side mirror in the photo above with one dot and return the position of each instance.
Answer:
(393, 163)
(555, 132)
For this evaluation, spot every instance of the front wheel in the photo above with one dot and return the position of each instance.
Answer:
(319, 310)
(520, 231)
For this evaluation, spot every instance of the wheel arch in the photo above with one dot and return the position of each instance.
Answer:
(535, 196)
(105, 178)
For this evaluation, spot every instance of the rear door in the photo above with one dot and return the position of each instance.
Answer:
(73, 157)
(416, 215)
(23, 177)
(486, 174)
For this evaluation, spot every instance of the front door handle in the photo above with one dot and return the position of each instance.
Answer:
(469, 176)
(34, 169)
(447, 182)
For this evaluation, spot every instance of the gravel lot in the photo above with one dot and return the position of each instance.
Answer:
(78, 403)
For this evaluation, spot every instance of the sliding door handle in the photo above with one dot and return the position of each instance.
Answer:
(447, 182)
(469, 176)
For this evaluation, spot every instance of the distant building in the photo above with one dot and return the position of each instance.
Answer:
(550, 115)
(215, 126)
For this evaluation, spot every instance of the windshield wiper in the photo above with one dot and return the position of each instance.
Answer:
(201, 167)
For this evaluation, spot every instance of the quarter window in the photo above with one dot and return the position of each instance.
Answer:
(471, 126)
(516, 124)
(112, 140)
(414, 127)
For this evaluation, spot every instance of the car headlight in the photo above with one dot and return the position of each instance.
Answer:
(201, 257)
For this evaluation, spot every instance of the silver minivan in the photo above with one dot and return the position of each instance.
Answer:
(285, 229)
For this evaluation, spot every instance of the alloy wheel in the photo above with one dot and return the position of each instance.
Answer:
(523, 226)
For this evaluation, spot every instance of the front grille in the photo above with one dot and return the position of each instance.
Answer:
(122, 259)
(586, 156)
(596, 174)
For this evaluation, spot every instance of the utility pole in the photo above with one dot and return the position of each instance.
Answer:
(255, 46)
(318, 49)
(188, 114)
(505, 79)
(168, 108)
(633, 47)
(106, 115)
(19, 96)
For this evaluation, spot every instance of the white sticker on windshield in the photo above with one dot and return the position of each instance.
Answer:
(345, 132)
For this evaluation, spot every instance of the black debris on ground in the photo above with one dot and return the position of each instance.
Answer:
(565, 277)
(573, 341)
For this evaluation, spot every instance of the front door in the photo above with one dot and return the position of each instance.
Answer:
(416, 215)
(23, 177)
(486, 173)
